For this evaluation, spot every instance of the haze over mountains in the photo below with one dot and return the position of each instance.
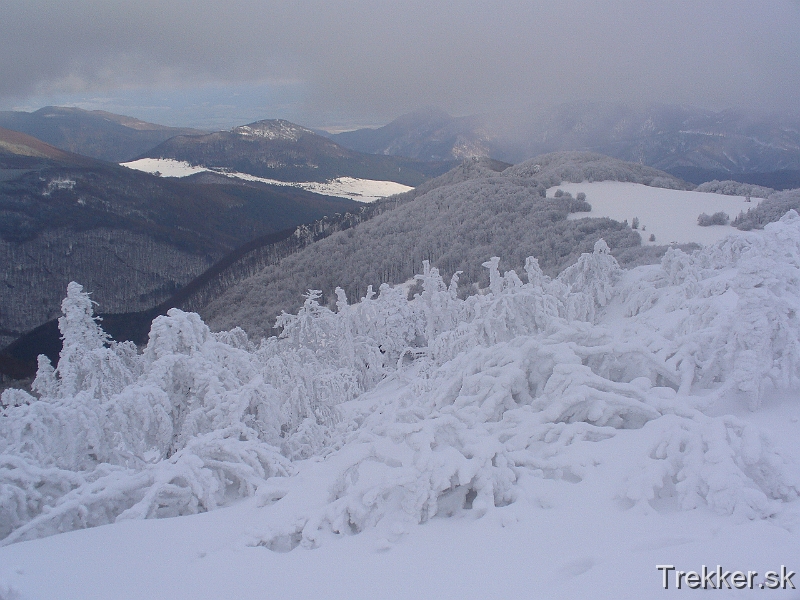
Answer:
(427, 134)
(694, 144)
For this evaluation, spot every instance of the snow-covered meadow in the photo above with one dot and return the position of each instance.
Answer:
(553, 438)
(669, 215)
(360, 190)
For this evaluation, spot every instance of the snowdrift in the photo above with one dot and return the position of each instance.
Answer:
(389, 412)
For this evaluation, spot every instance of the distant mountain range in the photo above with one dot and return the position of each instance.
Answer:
(130, 237)
(96, 133)
(694, 144)
(281, 150)
(428, 134)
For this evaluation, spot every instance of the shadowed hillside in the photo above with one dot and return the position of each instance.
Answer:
(287, 152)
(97, 134)
(131, 237)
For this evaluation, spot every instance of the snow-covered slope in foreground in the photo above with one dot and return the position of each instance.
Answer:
(361, 190)
(557, 438)
(669, 215)
(569, 547)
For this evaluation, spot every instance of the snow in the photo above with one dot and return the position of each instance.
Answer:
(360, 190)
(167, 167)
(670, 215)
(273, 130)
(557, 438)
(577, 550)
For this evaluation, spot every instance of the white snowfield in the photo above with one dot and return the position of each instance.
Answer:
(360, 190)
(669, 215)
(552, 438)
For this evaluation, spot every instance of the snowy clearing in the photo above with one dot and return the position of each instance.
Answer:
(670, 215)
(167, 167)
(553, 438)
(360, 190)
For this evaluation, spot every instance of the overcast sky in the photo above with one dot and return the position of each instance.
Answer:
(332, 62)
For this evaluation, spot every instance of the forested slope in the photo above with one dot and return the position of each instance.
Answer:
(457, 222)
(131, 237)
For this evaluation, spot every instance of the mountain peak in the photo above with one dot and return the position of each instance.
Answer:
(272, 129)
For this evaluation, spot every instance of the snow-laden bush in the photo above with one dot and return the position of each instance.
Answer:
(422, 407)
(768, 211)
(737, 304)
(734, 188)
(718, 218)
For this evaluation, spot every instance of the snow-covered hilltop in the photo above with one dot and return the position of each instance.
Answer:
(637, 393)
(273, 130)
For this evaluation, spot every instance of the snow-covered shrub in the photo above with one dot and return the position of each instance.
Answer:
(89, 362)
(718, 218)
(768, 211)
(172, 440)
(734, 188)
(719, 462)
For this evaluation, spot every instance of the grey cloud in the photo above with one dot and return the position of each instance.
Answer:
(381, 58)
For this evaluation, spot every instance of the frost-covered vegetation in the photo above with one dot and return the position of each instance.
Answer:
(735, 188)
(718, 218)
(558, 167)
(768, 211)
(455, 222)
(392, 410)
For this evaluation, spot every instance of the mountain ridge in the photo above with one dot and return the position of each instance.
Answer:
(278, 149)
(427, 134)
(682, 140)
(96, 134)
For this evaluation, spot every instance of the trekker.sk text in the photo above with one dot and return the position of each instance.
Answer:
(719, 579)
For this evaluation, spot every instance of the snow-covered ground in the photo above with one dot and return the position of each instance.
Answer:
(166, 167)
(361, 190)
(557, 438)
(574, 545)
(669, 215)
